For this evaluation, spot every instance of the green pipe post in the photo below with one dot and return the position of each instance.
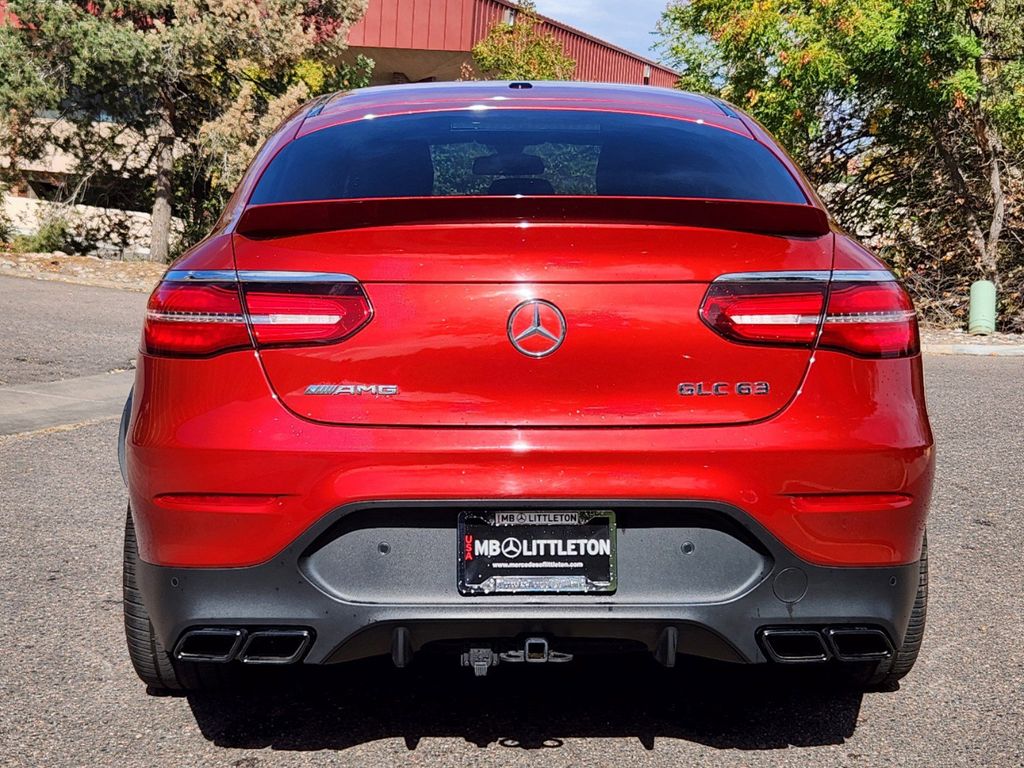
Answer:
(983, 308)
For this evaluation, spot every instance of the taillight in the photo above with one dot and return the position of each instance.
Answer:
(765, 312)
(870, 320)
(866, 313)
(200, 313)
(289, 313)
(194, 319)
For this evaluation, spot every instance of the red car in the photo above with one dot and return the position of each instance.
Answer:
(515, 371)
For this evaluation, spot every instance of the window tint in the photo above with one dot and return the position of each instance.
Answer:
(525, 152)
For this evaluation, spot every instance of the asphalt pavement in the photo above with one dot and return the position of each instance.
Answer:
(68, 695)
(52, 331)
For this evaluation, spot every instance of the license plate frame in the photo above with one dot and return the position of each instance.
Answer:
(552, 553)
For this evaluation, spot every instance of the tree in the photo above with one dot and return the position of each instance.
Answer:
(909, 114)
(179, 91)
(521, 50)
(22, 90)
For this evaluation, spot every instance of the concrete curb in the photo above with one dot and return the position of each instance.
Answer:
(32, 407)
(977, 350)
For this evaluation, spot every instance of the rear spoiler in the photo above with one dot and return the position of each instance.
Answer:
(285, 219)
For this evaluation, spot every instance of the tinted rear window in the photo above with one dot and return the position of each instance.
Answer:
(525, 152)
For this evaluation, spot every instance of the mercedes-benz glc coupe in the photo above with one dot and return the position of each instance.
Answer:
(511, 371)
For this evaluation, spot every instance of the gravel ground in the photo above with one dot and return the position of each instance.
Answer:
(70, 698)
(933, 335)
(84, 270)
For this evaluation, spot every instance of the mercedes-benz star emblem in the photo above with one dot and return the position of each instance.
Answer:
(536, 328)
(511, 548)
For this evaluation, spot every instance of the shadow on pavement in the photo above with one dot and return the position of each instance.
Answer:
(718, 705)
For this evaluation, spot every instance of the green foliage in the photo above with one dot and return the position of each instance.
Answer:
(6, 230)
(54, 234)
(24, 84)
(345, 77)
(205, 180)
(908, 114)
(208, 78)
(522, 50)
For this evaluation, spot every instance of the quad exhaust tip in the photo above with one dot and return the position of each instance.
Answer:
(804, 645)
(210, 644)
(262, 646)
(859, 644)
(794, 646)
(275, 646)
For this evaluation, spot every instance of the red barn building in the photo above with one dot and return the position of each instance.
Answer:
(418, 40)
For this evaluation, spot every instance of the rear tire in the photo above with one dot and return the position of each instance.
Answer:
(149, 657)
(153, 664)
(894, 669)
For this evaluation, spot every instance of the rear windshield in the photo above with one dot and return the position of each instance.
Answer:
(524, 152)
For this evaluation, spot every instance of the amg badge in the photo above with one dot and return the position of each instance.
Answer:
(378, 390)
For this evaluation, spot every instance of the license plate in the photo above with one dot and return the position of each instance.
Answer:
(523, 552)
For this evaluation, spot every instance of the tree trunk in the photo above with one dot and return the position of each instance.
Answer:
(994, 146)
(160, 242)
(991, 145)
(974, 231)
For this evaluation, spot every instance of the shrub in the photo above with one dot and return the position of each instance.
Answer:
(53, 235)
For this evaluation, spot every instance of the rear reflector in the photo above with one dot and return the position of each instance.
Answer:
(864, 313)
(831, 503)
(200, 313)
(194, 319)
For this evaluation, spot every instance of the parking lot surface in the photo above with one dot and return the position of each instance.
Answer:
(68, 695)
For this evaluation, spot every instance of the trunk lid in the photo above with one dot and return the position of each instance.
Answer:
(440, 348)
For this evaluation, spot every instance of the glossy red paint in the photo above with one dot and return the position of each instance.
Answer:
(630, 300)
(229, 460)
(210, 427)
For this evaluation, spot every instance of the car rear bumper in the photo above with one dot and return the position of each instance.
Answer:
(716, 595)
(251, 517)
(220, 474)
